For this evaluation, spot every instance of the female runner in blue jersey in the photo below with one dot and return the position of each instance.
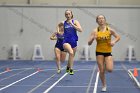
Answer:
(71, 27)
(60, 53)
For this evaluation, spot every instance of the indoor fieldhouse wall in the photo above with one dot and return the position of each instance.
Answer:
(70, 2)
(37, 24)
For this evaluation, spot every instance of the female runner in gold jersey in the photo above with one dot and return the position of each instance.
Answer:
(102, 34)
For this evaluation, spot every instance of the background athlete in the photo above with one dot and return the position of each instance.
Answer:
(60, 53)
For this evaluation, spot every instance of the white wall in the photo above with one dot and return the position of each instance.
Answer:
(39, 22)
(70, 2)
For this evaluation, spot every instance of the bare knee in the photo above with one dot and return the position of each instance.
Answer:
(71, 54)
(102, 72)
(109, 70)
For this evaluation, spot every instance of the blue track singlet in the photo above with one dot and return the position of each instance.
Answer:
(70, 34)
(59, 42)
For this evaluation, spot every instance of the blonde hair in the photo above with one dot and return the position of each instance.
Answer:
(60, 24)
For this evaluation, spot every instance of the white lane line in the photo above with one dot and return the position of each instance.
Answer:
(96, 83)
(12, 75)
(134, 78)
(18, 81)
(32, 90)
(47, 90)
(133, 69)
(3, 72)
(22, 69)
(73, 86)
(35, 88)
(91, 78)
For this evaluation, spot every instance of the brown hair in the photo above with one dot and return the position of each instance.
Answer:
(98, 16)
(70, 12)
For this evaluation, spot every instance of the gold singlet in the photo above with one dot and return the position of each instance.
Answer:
(103, 41)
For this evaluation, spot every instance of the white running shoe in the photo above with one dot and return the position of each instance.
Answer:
(104, 89)
(58, 71)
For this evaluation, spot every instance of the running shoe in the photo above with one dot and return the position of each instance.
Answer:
(67, 69)
(104, 89)
(58, 71)
(71, 72)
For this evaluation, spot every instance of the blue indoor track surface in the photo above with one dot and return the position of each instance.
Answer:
(41, 77)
